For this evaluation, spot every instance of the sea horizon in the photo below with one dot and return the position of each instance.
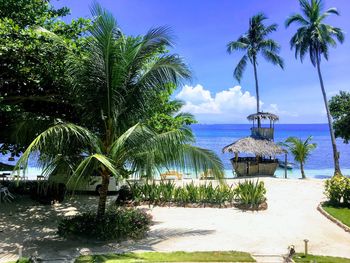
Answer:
(215, 136)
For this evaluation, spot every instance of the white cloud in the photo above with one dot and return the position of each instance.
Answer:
(226, 106)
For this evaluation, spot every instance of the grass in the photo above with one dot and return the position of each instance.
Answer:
(319, 259)
(342, 214)
(213, 256)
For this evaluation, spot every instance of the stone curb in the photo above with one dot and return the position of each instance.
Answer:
(333, 219)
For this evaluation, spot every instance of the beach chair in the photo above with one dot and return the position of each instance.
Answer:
(167, 174)
(5, 195)
(40, 178)
(4, 176)
(207, 175)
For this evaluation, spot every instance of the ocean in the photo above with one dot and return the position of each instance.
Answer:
(319, 164)
(216, 136)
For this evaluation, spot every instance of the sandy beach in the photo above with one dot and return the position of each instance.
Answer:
(290, 218)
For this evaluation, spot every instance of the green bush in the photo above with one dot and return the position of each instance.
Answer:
(117, 224)
(248, 193)
(165, 192)
(337, 190)
(251, 194)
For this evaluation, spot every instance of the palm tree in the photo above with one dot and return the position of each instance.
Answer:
(114, 82)
(301, 150)
(253, 42)
(315, 37)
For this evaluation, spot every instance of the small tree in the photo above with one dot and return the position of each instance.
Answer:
(301, 150)
(339, 106)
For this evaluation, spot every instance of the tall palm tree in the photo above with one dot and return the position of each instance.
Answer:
(114, 81)
(253, 43)
(315, 37)
(301, 150)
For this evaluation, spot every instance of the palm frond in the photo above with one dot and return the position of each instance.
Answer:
(238, 72)
(236, 45)
(273, 58)
(59, 139)
(91, 165)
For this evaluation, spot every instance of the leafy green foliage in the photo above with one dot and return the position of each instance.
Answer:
(203, 256)
(301, 150)
(339, 106)
(314, 36)
(117, 224)
(34, 87)
(337, 190)
(255, 42)
(165, 192)
(250, 194)
(165, 115)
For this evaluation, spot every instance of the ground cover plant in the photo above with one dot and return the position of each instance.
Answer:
(247, 194)
(299, 258)
(209, 256)
(340, 213)
(117, 224)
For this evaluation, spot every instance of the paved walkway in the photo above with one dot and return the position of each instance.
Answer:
(290, 218)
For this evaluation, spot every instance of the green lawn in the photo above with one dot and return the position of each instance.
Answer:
(214, 256)
(319, 259)
(342, 214)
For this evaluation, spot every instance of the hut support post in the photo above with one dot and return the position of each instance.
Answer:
(285, 165)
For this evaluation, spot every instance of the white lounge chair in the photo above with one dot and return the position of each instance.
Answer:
(5, 195)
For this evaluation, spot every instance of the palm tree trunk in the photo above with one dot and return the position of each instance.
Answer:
(103, 194)
(330, 123)
(302, 170)
(256, 89)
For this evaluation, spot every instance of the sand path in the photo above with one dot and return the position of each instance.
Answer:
(290, 218)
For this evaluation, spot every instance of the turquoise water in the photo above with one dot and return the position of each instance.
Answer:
(319, 165)
(215, 137)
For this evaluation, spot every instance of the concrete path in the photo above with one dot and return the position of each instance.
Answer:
(290, 218)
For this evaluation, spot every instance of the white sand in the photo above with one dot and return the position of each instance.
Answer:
(290, 218)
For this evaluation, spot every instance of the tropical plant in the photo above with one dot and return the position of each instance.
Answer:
(339, 107)
(253, 43)
(337, 190)
(114, 81)
(301, 150)
(250, 194)
(314, 37)
(34, 86)
(117, 224)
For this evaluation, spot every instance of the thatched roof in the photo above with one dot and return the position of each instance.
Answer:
(6, 167)
(263, 116)
(257, 147)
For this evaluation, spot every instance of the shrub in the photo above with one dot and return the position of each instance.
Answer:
(248, 193)
(251, 194)
(337, 190)
(117, 224)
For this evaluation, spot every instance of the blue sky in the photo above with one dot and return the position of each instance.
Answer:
(204, 27)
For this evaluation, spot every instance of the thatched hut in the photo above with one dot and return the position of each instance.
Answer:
(260, 144)
(264, 162)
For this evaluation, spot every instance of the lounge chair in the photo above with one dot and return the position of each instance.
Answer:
(207, 175)
(176, 174)
(5, 195)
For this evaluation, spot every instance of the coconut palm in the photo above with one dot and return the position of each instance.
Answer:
(253, 43)
(114, 81)
(314, 37)
(301, 150)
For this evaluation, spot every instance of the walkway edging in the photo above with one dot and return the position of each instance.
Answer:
(333, 219)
